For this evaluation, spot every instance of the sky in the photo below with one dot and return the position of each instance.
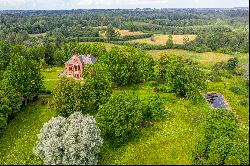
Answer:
(114, 4)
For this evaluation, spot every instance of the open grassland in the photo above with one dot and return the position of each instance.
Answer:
(205, 60)
(160, 39)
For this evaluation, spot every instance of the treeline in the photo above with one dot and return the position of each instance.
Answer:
(83, 25)
(20, 78)
(219, 41)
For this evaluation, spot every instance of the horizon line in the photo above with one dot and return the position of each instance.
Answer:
(126, 8)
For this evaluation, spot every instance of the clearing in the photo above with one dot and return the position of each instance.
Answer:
(160, 39)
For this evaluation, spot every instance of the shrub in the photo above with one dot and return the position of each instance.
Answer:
(153, 108)
(183, 78)
(232, 63)
(72, 96)
(222, 142)
(119, 118)
(240, 70)
(218, 70)
(152, 83)
(71, 141)
(164, 89)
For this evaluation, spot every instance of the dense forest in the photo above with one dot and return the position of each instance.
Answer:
(223, 30)
(129, 93)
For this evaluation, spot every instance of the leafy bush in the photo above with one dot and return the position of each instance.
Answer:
(120, 117)
(232, 63)
(164, 89)
(221, 141)
(218, 70)
(240, 70)
(69, 141)
(71, 95)
(128, 65)
(152, 83)
(153, 108)
(183, 78)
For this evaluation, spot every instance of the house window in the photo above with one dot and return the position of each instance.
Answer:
(70, 68)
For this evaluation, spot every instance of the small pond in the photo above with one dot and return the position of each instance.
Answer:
(215, 100)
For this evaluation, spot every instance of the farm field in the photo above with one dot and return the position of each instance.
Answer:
(160, 39)
(168, 141)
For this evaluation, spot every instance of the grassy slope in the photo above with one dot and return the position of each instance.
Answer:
(166, 142)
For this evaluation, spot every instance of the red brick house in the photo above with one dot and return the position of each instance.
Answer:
(76, 64)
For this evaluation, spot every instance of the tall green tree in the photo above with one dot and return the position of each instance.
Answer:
(24, 75)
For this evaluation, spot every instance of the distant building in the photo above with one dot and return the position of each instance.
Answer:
(76, 64)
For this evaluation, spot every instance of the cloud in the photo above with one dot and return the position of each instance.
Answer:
(77, 4)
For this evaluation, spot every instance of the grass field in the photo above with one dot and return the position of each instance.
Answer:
(168, 141)
(123, 33)
(205, 60)
(51, 77)
(161, 39)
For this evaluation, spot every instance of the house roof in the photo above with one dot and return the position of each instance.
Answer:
(86, 59)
